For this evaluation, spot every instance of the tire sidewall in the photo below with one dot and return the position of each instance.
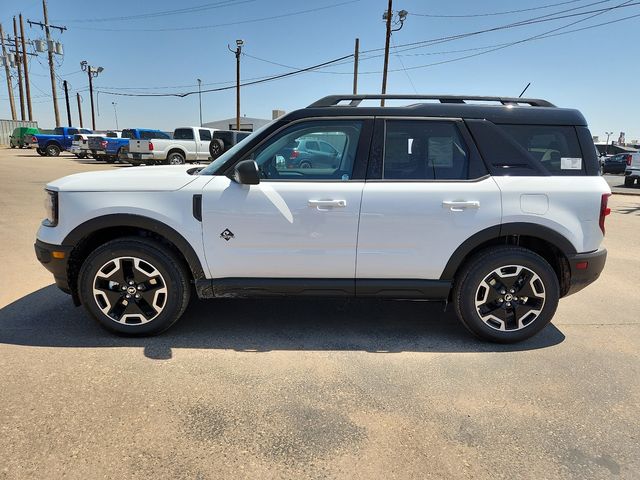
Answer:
(484, 263)
(52, 150)
(173, 155)
(175, 277)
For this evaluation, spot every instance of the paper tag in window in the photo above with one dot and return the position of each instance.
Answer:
(568, 163)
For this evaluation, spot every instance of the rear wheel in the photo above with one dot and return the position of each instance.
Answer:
(305, 164)
(52, 150)
(506, 294)
(628, 181)
(175, 158)
(134, 286)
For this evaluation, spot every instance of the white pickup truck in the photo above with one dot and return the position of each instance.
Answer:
(189, 144)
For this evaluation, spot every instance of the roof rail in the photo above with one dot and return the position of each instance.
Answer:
(334, 100)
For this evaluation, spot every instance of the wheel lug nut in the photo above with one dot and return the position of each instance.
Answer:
(502, 292)
(124, 288)
(140, 287)
(137, 295)
(128, 296)
(512, 291)
(130, 282)
(500, 300)
(508, 304)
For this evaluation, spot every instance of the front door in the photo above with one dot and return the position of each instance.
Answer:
(298, 222)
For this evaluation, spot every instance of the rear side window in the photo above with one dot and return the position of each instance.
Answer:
(112, 135)
(424, 150)
(205, 135)
(183, 134)
(128, 134)
(556, 147)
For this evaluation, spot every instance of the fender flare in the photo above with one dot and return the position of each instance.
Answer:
(497, 231)
(85, 229)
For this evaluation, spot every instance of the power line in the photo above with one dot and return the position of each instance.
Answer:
(179, 11)
(541, 7)
(204, 27)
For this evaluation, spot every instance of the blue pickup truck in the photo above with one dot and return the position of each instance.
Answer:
(51, 145)
(110, 149)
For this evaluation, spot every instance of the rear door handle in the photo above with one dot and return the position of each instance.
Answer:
(325, 204)
(458, 206)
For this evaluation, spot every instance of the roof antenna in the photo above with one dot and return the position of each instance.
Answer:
(525, 89)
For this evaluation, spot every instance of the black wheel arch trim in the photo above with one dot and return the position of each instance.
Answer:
(138, 221)
(505, 230)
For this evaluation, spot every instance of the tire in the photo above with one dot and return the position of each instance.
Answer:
(628, 181)
(110, 159)
(146, 263)
(216, 148)
(13, 146)
(41, 152)
(175, 158)
(52, 150)
(508, 267)
(305, 164)
(21, 145)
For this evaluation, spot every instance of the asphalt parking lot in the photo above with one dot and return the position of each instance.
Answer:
(310, 388)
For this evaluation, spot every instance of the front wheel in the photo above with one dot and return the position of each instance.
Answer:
(506, 294)
(134, 286)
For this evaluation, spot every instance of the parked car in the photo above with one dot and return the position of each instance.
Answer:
(223, 140)
(310, 153)
(21, 137)
(189, 144)
(110, 147)
(430, 201)
(61, 139)
(98, 145)
(632, 171)
(81, 146)
(616, 164)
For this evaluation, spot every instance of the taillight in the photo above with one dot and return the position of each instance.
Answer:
(628, 159)
(294, 154)
(604, 209)
(150, 146)
(103, 144)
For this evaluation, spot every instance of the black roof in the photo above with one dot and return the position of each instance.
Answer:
(495, 109)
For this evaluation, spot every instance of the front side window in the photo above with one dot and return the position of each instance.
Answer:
(424, 150)
(183, 134)
(555, 147)
(289, 155)
(72, 131)
(205, 135)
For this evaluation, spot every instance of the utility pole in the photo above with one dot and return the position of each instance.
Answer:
(19, 67)
(355, 66)
(66, 98)
(386, 51)
(8, 75)
(27, 86)
(52, 72)
(79, 109)
(115, 112)
(238, 52)
(91, 72)
(200, 99)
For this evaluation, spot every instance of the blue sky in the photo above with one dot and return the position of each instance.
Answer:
(595, 70)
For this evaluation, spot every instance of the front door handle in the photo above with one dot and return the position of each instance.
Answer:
(458, 206)
(326, 204)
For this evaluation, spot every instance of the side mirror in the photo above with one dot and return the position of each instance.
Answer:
(246, 173)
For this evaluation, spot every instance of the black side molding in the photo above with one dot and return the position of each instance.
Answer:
(197, 207)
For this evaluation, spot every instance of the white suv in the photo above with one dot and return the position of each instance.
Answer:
(632, 170)
(496, 206)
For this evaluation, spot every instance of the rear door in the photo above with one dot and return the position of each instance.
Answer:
(186, 137)
(427, 192)
(203, 144)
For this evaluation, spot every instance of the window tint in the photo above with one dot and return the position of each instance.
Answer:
(84, 130)
(282, 157)
(183, 134)
(205, 134)
(424, 150)
(58, 131)
(112, 135)
(226, 137)
(327, 148)
(312, 145)
(128, 134)
(72, 131)
(555, 147)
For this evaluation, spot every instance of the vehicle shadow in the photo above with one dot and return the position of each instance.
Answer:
(47, 318)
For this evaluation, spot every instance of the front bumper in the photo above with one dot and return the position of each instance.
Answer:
(585, 269)
(57, 266)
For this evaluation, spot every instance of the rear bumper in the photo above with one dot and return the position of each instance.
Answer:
(634, 173)
(57, 266)
(585, 269)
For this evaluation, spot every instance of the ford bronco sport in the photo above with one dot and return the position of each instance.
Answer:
(493, 204)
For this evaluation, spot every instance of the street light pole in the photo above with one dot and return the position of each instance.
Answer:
(200, 99)
(115, 112)
(606, 148)
(238, 52)
(91, 72)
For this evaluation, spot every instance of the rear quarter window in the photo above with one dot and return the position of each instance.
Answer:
(183, 134)
(555, 147)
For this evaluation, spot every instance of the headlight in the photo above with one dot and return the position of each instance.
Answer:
(51, 209)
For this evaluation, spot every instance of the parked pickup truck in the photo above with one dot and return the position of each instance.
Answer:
(110, 148)
(189, 144)
(81, 146)
(52, 144)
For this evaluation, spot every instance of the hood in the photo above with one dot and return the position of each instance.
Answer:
(127, 179)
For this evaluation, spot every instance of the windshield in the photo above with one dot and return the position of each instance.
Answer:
(226, 156)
